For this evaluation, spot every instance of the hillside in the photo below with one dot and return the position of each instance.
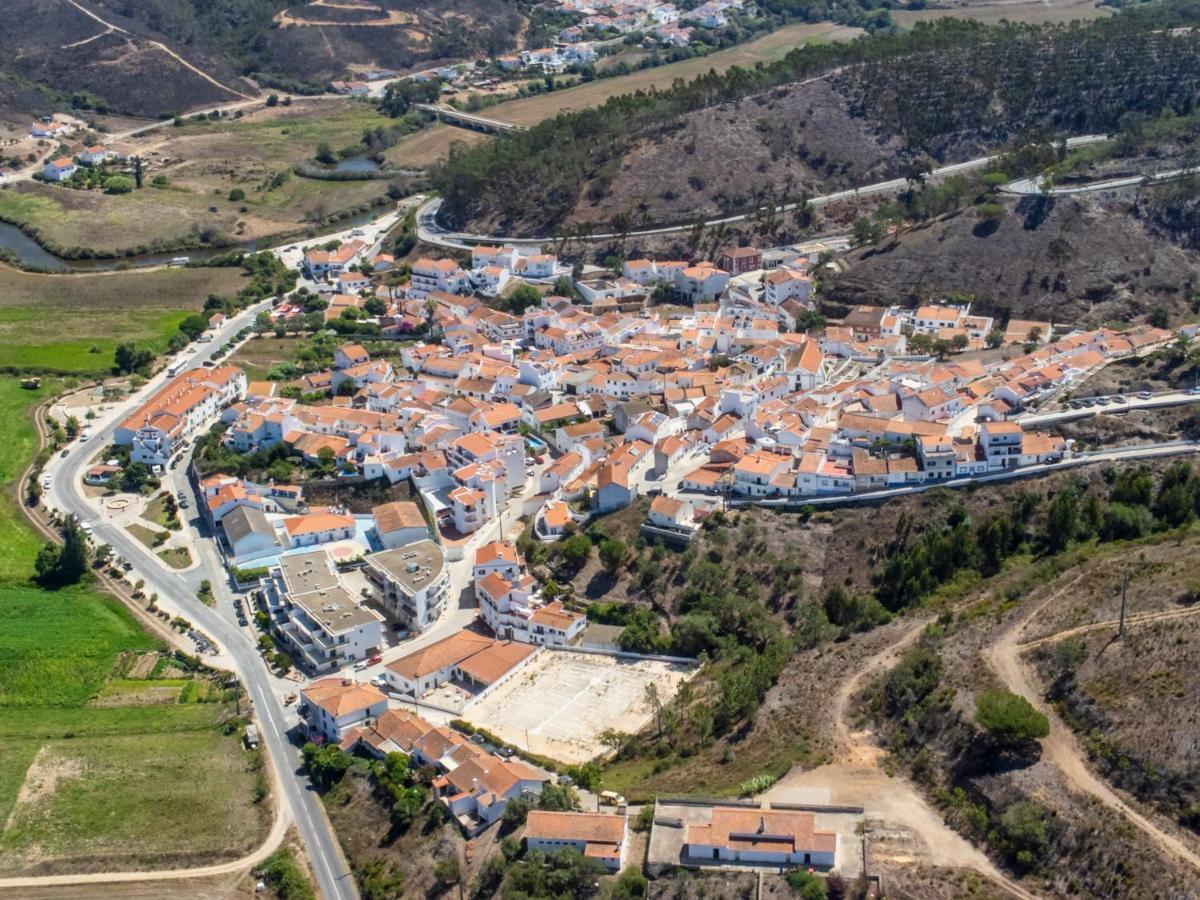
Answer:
(946, 91)
(60, 54)
(155, 58)
(278, 42)
(1070, 260)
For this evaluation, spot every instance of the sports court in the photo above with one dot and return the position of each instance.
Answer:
(561, 702)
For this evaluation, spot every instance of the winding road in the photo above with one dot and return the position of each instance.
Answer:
(1061, 747)
(178, 591)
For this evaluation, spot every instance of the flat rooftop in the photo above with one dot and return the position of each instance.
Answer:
(334, 608)
(305, 572)
(408, 565)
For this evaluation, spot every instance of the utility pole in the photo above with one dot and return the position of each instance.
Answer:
(1124, 591)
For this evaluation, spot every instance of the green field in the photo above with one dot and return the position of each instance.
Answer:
(113, 785)
(52, 322)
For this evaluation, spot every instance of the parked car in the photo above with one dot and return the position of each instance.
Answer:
(359, 666)
(377, 658)
(1144, 395)
(65, 452)
(379, 681)
(183, 504)
(1120, 398)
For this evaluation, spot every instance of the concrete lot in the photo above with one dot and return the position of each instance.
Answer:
(666, 840)
(561, 702)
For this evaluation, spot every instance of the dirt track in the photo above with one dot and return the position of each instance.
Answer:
(891, 802)
(1061, 748)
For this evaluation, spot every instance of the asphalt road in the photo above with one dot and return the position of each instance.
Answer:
(178, 589)
(431, 232)
(1034, 185)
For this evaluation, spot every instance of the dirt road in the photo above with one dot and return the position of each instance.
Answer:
(1060, 748)
(897, 810)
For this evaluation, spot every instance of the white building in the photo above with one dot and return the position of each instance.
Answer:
(410, 581)
(334, 705)
(317, 617)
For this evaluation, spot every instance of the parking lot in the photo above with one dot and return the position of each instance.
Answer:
(559, 705)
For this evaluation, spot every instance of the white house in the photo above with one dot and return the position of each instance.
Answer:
(94, 156)
(762, 837)
(597, 836)
(59, 169)
(429, 275)
(317, 528)
(399, 523)
(334, 705)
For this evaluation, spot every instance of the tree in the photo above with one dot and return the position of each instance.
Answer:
(995, 338)
(128, 358)
(272, 100)
(959, 342)
(135, 476)
(630, 884)
(522, 298)
(575, 550)
(805, 884)
(558, 797)
(612, 554)
(375, 306)
(447, 870)
(325, 154)
(1009, 718)
(515, 814)
(118, 184)
(194, 326)
(237, 195)
(1062, 521)
(325, 765)
(1160, 317)
(56, 566)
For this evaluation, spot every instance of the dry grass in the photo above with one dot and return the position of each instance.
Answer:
(430, 145)
(1035, 12)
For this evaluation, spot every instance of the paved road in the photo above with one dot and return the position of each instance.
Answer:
(431, 232)
(1158, 401)
(177, 590)
(1035, 186)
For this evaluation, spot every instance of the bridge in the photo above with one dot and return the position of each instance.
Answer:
(468, 120)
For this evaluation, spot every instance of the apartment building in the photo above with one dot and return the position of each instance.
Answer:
(411, 582)
(316, 616)
(185, 405)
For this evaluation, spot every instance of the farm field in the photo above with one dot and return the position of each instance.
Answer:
(104, 309)
(430, 144)
(531, 110)
(96, 774)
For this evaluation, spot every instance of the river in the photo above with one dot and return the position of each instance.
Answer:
(29, 252)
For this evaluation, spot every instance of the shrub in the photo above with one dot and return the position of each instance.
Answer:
(1009, 718)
